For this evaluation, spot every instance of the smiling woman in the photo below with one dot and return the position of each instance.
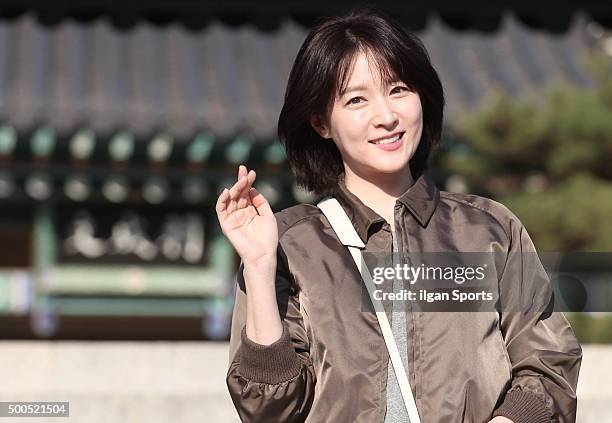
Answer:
(373, 115)
(363, 110)
(373, 80)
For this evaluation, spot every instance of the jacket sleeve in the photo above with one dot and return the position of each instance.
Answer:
(271, 383)
(544, 353)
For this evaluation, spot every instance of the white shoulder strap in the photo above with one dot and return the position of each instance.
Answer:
(348, 236)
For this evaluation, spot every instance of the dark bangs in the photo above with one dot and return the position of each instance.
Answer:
(381, 62)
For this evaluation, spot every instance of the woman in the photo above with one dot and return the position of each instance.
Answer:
(363, 109)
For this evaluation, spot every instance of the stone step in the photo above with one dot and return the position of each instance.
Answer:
(179, 381)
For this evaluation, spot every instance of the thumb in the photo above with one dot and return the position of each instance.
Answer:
(260, 203)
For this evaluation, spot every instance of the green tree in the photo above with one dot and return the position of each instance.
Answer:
(549, 160)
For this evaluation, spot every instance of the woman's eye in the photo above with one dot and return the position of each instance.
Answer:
(355, 100)
(398, 89)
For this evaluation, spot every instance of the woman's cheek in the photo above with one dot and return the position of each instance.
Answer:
(415, 110)
(358, 117)
(360, 125)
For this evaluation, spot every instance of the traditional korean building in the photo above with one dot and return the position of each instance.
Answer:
(119, 127)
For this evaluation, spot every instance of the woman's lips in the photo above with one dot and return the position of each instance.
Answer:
(392, 145)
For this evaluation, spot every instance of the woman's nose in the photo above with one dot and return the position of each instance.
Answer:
(384, 115)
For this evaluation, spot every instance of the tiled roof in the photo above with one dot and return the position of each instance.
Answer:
(231, 80)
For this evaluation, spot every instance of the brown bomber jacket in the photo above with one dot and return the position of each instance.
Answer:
(330, 364)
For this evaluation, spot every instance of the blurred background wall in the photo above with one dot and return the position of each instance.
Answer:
(121, 123)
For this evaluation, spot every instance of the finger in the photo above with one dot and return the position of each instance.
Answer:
(221, 206)
(235, 192)
(251, 176)
(242, 170)
(244, 200)
(260, 203)
(237, 188)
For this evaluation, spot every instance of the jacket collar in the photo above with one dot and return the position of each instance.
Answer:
(420, 199)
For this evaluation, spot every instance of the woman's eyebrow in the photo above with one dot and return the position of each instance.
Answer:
(364, 88)
(354, 88)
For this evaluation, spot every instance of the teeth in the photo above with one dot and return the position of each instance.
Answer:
(388, 140)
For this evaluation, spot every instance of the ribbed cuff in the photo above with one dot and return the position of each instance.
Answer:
(271, 364)
(524, 407)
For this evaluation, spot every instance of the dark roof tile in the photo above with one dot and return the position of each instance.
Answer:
(231, 80)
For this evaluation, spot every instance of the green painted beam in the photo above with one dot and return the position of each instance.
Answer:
(45, 253)
(153, 307)
(134, 281)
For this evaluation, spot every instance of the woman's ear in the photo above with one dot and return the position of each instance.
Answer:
(318, 125)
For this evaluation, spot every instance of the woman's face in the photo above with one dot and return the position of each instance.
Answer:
(367, 119)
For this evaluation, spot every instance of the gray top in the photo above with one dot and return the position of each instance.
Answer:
(396, 410)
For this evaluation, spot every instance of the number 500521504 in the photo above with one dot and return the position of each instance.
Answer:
(39, 409)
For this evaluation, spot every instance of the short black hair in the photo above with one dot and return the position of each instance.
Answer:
(320, 73)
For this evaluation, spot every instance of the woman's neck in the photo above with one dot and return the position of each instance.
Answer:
(379, 192)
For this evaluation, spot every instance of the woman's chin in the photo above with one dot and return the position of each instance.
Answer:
(390, 166)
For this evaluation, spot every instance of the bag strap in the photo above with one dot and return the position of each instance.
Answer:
(347, 234)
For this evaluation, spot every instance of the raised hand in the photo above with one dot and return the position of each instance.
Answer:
(247, 221)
